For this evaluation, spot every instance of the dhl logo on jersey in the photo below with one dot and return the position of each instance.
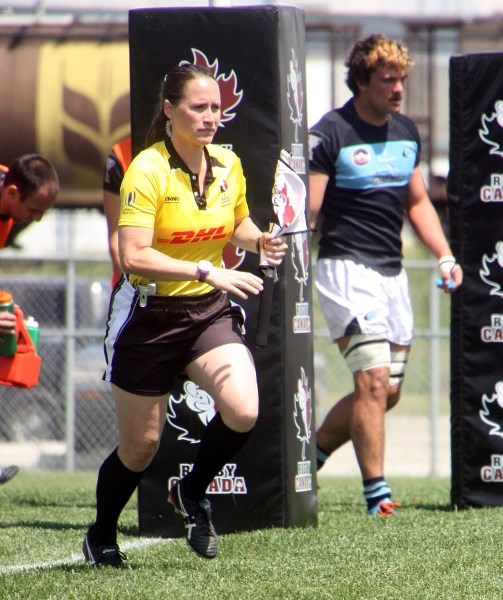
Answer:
(190, 237)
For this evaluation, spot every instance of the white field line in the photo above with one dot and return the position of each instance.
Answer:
(77, 558)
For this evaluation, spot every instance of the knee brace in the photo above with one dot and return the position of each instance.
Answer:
(366, 351)
(399, 359)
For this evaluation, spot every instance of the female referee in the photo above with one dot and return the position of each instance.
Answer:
(171, 313)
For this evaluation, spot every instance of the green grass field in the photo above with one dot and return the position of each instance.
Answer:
(428, 552)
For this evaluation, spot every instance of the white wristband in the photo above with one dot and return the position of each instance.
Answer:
(446, 264)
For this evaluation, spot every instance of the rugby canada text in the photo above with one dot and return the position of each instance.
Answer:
(494, 191)
(494, 471)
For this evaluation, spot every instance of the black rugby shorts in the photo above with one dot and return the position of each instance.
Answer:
(148, 347)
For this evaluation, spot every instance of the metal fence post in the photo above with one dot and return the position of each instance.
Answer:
(70, 347)
(435, 372)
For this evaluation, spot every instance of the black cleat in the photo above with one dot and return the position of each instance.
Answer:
(201, 535)
(7, 473)
(102, 556)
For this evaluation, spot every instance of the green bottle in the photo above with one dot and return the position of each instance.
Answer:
(33, 329)
(8, 342)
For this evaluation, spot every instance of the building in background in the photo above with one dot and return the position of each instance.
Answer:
(74, 79)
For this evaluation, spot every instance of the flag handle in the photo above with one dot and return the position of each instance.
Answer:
(265, 306)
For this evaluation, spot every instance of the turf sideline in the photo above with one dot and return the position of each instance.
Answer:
(78, 558)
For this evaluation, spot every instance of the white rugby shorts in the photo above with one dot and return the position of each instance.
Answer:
(380, 304)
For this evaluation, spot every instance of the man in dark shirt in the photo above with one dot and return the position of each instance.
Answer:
(364, 177)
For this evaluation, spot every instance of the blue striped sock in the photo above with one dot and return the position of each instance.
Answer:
(375, 490)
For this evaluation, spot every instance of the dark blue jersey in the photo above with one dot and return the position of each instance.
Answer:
(369, 169)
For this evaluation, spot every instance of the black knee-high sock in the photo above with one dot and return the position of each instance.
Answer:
(219, 444)
(116, 484)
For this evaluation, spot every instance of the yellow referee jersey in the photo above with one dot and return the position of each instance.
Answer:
(157, 193)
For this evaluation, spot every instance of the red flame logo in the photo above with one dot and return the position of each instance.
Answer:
(233, 256)
(229, 93)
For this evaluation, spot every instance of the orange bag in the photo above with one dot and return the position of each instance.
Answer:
(23, 368)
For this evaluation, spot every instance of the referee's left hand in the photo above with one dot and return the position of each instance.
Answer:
(274, 248)
(240, 283)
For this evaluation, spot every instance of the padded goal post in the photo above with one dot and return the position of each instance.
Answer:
(475, 199)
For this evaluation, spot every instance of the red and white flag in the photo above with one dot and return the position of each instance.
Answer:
(288, 202)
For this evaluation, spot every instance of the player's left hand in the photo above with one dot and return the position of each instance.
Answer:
(451, 274)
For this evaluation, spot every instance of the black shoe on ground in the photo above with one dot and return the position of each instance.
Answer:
(102, 556)
(7, 473)
(201, 535)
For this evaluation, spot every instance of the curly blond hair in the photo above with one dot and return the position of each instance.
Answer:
(372, 52)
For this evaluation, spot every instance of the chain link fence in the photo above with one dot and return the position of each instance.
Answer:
(67, 421)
